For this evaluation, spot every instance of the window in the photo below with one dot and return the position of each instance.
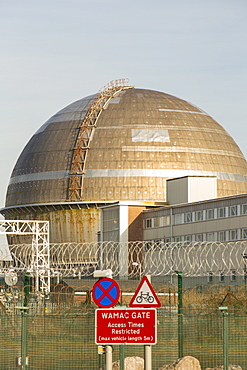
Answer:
(110, 224)
(199, 237)
(233, 211)
(157, 221)
(148, 223)
(244, 209)
(210, 214)
(233, 234)
(167, 240)
(188, 217)
(177, 239)
(199, 216)
(243, 233)
(233, 275)
(222, 277)
(222, 236)
(210, 277)
(221, 212)
(158, 243)
(210, 237)
(166, 220)
(178, 219)
(188, 238)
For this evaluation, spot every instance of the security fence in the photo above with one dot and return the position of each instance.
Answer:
(60, 328)
(134, 259)
(60, 322)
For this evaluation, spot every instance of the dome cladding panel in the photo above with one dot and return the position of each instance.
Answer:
(140, 135)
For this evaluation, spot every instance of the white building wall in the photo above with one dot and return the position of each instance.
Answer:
(191, 189)
(201, 188)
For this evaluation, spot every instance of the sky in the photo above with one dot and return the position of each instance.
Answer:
(56, 52)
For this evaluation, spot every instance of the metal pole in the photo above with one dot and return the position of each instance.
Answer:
(108, 357)
(121, 356)
(225, 336)
(23, 336)
(26, 288)
(245, 269)
(24, 339)
(180, 314)
(148, 349)
(147, 358)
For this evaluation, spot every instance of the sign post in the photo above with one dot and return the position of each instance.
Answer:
(108, 356)
(106, 293)
(136, 325)
(145, 296)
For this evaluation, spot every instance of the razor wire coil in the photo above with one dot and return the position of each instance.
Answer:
(135, 258)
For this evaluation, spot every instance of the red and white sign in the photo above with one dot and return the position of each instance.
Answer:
(145, 295)
(106, 292)
(125, 326)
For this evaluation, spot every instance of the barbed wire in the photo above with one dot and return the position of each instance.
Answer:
(135, 259)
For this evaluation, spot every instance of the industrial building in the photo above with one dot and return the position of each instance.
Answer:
(219, 219)
(115, 152)
(207, 218)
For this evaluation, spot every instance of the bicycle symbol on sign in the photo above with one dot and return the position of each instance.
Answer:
(144, 297)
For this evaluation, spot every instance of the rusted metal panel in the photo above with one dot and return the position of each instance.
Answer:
(66, 225)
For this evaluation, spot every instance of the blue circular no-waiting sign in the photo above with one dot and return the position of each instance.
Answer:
(106, 292)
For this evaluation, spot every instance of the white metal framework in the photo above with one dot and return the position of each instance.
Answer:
(39, 256)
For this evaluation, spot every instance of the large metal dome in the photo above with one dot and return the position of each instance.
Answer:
(123, 144)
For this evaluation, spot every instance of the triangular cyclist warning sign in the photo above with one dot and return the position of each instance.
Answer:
(145, 295)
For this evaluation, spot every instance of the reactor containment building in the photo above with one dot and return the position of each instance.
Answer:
(121, 144)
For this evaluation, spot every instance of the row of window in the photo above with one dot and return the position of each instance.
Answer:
(157, 222)
(221, 277)
(197, 216)
(220, 236)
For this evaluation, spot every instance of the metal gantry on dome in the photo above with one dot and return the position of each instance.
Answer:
(85, 135)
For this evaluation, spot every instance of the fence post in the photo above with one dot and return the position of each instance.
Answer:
(225, 336)
(23, 336)
(180, 313)
(121, 353)
(26, 288)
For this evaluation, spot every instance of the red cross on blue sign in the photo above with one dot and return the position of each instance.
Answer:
(106, 292)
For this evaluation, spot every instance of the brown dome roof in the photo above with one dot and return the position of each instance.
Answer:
(139, 139)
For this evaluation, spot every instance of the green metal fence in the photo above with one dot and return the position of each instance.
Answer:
(66, 341)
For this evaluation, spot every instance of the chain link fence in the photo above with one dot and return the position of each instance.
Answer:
(60, 324)
(60, 328)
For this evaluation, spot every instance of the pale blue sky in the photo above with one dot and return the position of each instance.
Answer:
(55, 52)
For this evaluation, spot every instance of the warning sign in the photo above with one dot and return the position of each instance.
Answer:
(145, 295)
(129, 326)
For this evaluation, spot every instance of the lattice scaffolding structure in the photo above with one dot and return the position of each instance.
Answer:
(39, 256)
